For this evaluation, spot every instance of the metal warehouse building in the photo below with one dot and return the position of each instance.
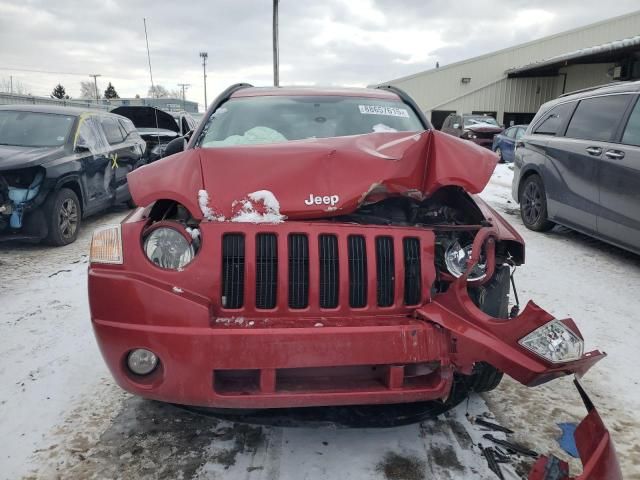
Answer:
(511, 84)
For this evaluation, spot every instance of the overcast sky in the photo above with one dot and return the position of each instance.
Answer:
(339, 42)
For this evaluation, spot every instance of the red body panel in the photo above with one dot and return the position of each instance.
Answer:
(358, 169)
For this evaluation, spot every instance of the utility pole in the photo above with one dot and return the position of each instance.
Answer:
(183, 86)
(11, 82)
(204, 56)
(95, 82)
(276, 59)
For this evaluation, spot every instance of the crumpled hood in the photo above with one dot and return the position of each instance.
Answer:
(13, 157)
(316, 178)
(145, 117)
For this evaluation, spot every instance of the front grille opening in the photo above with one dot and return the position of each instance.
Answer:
(298, 270)
(357, 271)
(385, 271)
(329, 286)
(266, 270)
(232, 270)
(412, 273)
(236, 381)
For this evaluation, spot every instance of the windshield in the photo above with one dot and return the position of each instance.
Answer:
(32, 129)
(274, 119)
(469, 121)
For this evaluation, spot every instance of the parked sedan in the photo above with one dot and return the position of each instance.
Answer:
(579, 165)
(59, 165)
(504, 143)
(480, 129)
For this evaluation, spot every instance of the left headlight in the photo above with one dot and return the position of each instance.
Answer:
(554, 342)
(456, 258)
(168, 248)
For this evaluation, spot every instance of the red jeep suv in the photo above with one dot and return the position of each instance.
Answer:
(318, 247)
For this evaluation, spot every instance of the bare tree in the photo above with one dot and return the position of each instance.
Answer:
(158, 91)
(88, 89)
(9, 85)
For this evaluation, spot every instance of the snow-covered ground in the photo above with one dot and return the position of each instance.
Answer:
(61, 416)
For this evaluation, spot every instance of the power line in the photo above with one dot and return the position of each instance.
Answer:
(42, 71)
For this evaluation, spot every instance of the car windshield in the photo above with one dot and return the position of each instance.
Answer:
(469, 121)
(274, 119)
(33, 129)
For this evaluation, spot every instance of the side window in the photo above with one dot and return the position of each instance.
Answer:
(185, 125)
(127, 126)
(112, 130)
(447, 122)
(520, 133)
(631, 134)
(554, 119)
(597, 118)
(90, 135)
(511, 132)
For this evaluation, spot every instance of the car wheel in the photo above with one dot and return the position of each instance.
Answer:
(499, 153)
(533, 205)
(62, 213)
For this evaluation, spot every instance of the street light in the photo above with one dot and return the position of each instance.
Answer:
(204, 56)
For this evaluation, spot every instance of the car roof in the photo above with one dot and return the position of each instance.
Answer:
(73, 111)
(617, 87)
(315, 91)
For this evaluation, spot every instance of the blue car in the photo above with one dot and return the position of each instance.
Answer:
(504, 143)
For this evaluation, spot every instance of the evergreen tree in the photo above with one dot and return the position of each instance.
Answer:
(110, 92)
(59, 92)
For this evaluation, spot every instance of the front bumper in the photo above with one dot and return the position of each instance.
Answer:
(595, 447)
(238, 362)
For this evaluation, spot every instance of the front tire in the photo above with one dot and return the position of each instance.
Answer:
(63, 216)
(533, 205)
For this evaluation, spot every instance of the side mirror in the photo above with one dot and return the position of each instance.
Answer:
(174, 146)
(456, 126)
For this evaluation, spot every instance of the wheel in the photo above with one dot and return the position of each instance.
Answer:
(533, 205)
(62, 214)
(499, 153)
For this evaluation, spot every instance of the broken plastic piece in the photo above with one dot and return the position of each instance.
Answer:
(492, 426)
(492, 462)
(567, 440)
(522, 450)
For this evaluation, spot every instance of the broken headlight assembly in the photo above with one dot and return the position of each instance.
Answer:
(456, 259)
(555, 342)
(169, 245)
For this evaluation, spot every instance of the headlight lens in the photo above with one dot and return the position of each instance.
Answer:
(168, 248)
(554, 342)
(457, 257)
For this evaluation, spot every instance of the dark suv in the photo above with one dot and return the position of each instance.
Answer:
(479, 129)
(579, 165)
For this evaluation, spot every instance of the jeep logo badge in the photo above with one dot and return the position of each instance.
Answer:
(325, 200)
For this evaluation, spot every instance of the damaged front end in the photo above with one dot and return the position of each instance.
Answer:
(21, 194)
(367, 273)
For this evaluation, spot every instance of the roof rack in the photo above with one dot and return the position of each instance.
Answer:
(596, 87)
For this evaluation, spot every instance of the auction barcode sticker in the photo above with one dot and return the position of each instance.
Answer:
(380, 110)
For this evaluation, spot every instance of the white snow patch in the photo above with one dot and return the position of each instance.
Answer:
(207, 211)
(194, 232)
(177, 290)
(268, 208)
(318, 325)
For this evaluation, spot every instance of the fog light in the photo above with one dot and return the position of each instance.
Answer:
(554, 342)
(141, 361)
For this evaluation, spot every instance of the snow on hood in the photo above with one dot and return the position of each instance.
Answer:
(314, 178)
